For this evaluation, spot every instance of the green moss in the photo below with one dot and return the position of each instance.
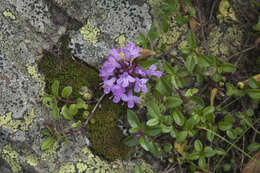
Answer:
(105, 137)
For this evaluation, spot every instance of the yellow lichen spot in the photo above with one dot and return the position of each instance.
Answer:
(183, 44)
(67, 168)
(173, 34)
(81, 167)
(7, 13)
(226, 42)
(14, 125)
(11, 157)
(90, 33)
(50, 153)
(27, 41)
(121, 40)
(38, 77)
(32, 160)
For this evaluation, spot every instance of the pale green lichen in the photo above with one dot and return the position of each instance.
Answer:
(90, 33)
(226, 42)
(173, 34)
(32, 160)
(9, 14)
(67, 168)
(81, 167)
(121, 40)
(27, 41)
(11, 157)
(7, 122)
(38, 77)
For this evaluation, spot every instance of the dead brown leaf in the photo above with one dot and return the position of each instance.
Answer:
(245, 82)
(193, 24)
(213, 94)
(252, 166)
(146, 52)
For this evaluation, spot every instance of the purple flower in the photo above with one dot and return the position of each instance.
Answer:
(121, 75)
(131, 51)
(140, 70)
(140, 84)
(130, 99)
(125, 79)
(115, 53)
(108, 84)
(152, 71)
(117, 91)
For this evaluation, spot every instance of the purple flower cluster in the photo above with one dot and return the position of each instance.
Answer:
(123, 77)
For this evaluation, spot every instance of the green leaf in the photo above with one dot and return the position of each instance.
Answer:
(253, 147)
(168, 68)
(73, 110)
(191, 92)
(153, 131)
(256, 27)
(209, 135)
(77, 124)
(197, 100)
(178, 117)
(190, 62)
(152, 122)
(55, 110)
(253, 93)
(47, 101)
(231, 133)
(202, 162)
(55, 88)
(227, 67)
(167, 147)
(208, 110)
(81, 104)
(153, 109)
(66, 92)
(163, 87)
(153, 34)
(181, 136)
(138, 169)
(198, 145)
(191, 39)
(209, 152)
(130, 141)
(144, 142)
(220, 151)
(166, 129)
(46, 132)
(132, 118)
(204, 61)
(253, 83)
(47, 143)
(216, 77)
(65, 113)
(224, 126)
(194, 156)
(173, 101)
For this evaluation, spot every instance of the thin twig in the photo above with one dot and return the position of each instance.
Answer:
(94, 109)
(238, 53)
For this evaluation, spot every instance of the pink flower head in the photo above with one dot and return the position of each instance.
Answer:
(121, 75)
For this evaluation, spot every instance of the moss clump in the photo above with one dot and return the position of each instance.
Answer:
(105, 137)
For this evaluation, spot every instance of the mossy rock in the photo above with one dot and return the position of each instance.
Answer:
(105, 137)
